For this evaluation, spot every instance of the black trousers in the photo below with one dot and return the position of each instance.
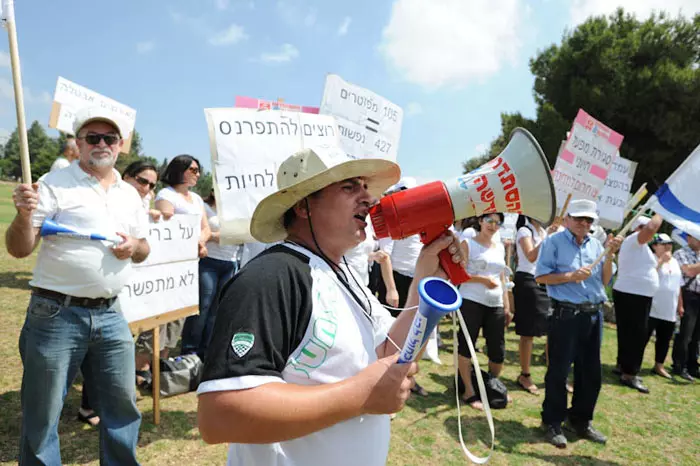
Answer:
(403, 284)
(664, 333)
(685, 347)
(632, 319)
(572, 337)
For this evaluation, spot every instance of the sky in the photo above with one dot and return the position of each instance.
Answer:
(453, 65)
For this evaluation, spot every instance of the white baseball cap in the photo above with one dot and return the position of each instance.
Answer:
(583, 208)
(640, 222)
(89, 114)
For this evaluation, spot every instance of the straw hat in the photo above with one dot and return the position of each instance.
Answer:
(311, 170)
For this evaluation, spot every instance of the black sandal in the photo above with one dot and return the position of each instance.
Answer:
(471, 400)
(88, 418)
(147, 381)
(534, 391)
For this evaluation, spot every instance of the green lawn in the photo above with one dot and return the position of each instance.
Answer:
(658, 429)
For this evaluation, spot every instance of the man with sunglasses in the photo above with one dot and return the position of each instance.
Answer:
(577, 292)
(73, 319)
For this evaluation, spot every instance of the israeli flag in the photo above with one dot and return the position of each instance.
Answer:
(678, 199)
(680, 237)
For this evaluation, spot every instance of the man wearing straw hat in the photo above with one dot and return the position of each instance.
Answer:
(73, 319)
(577, 293)
(302, 367)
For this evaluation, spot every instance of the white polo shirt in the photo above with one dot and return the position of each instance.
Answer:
(78, 267)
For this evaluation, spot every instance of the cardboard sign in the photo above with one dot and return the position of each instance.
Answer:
(70, 97)
(260, 104)
(369, 124)
(168, 279)
(585, 159)
(248, 147)
(615, 194)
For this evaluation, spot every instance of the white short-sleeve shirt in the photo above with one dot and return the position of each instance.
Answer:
(78, 267)
(524, 265)
(181, 206)
(636, 273)
(665, 303)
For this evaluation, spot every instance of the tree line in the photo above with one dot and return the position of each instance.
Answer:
(640, 78)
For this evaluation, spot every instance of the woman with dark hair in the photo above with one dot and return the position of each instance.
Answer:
(143, 176)
(531, 300)
(180, 176)
(215, 270)
(485, 301)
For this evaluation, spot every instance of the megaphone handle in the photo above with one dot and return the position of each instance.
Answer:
(455, 272)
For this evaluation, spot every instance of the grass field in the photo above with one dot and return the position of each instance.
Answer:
(657, 429)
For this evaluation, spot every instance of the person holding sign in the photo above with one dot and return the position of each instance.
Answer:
(302, 367)
(577, 292)
(73, 319)
(633, 292)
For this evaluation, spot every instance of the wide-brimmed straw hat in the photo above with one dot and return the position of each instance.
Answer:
(311, 170)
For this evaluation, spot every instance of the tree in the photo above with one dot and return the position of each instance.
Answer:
(135, 153)
(43, 150)
(204, 184)
(640, 78)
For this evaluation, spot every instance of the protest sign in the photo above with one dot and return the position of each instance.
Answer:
(279, 104)
(369, 124)
(585, 159)
(614, 196)
(247, 148)
(70, 97)
(168, 279)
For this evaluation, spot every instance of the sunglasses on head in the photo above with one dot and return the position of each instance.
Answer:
(144, 182)
(194, 170)
(493, 221)
(94, 138)
(583, 219)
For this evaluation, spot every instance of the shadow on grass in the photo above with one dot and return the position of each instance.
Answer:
(16, 280)
(79, 442)
(510, 434)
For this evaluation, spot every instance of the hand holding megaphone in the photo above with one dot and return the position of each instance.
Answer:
(51, 228)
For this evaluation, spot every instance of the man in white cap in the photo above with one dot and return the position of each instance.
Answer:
(633, 293)
(577, 292)
(302, 367)
(73, 319)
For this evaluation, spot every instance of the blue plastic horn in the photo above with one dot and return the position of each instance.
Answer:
(49, 228)
(438, 297)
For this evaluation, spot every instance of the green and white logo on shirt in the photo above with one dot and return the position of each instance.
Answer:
(242, 343)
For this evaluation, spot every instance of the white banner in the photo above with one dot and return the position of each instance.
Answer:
(248, 147)
(615, 194)
(168, 279)
(369, 124)
(70, 97)
(585, 159)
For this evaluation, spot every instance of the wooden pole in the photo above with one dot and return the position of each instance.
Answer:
(155, 371)
(565, 206)
(9, 13)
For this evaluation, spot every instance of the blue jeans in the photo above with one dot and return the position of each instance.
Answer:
(54, 342)
(213, 273)
(573, 337)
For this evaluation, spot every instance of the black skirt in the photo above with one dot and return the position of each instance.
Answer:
(531, 306)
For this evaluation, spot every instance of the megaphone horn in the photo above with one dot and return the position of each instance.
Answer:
(517, 181)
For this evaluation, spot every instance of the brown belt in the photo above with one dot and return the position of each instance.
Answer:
(67, 300)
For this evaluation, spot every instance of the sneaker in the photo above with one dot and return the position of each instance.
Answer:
(587, 432)
(555, 436)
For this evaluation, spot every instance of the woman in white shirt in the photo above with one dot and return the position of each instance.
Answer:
(180, 176)
(214, 271)
(531, 300)
(485, 302)
(636, 284)
(667, 301)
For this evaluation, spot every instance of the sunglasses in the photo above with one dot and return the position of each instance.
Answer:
(194, 170)
(94, 139)
(583, 219)
(144, 182)
(493, 221)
